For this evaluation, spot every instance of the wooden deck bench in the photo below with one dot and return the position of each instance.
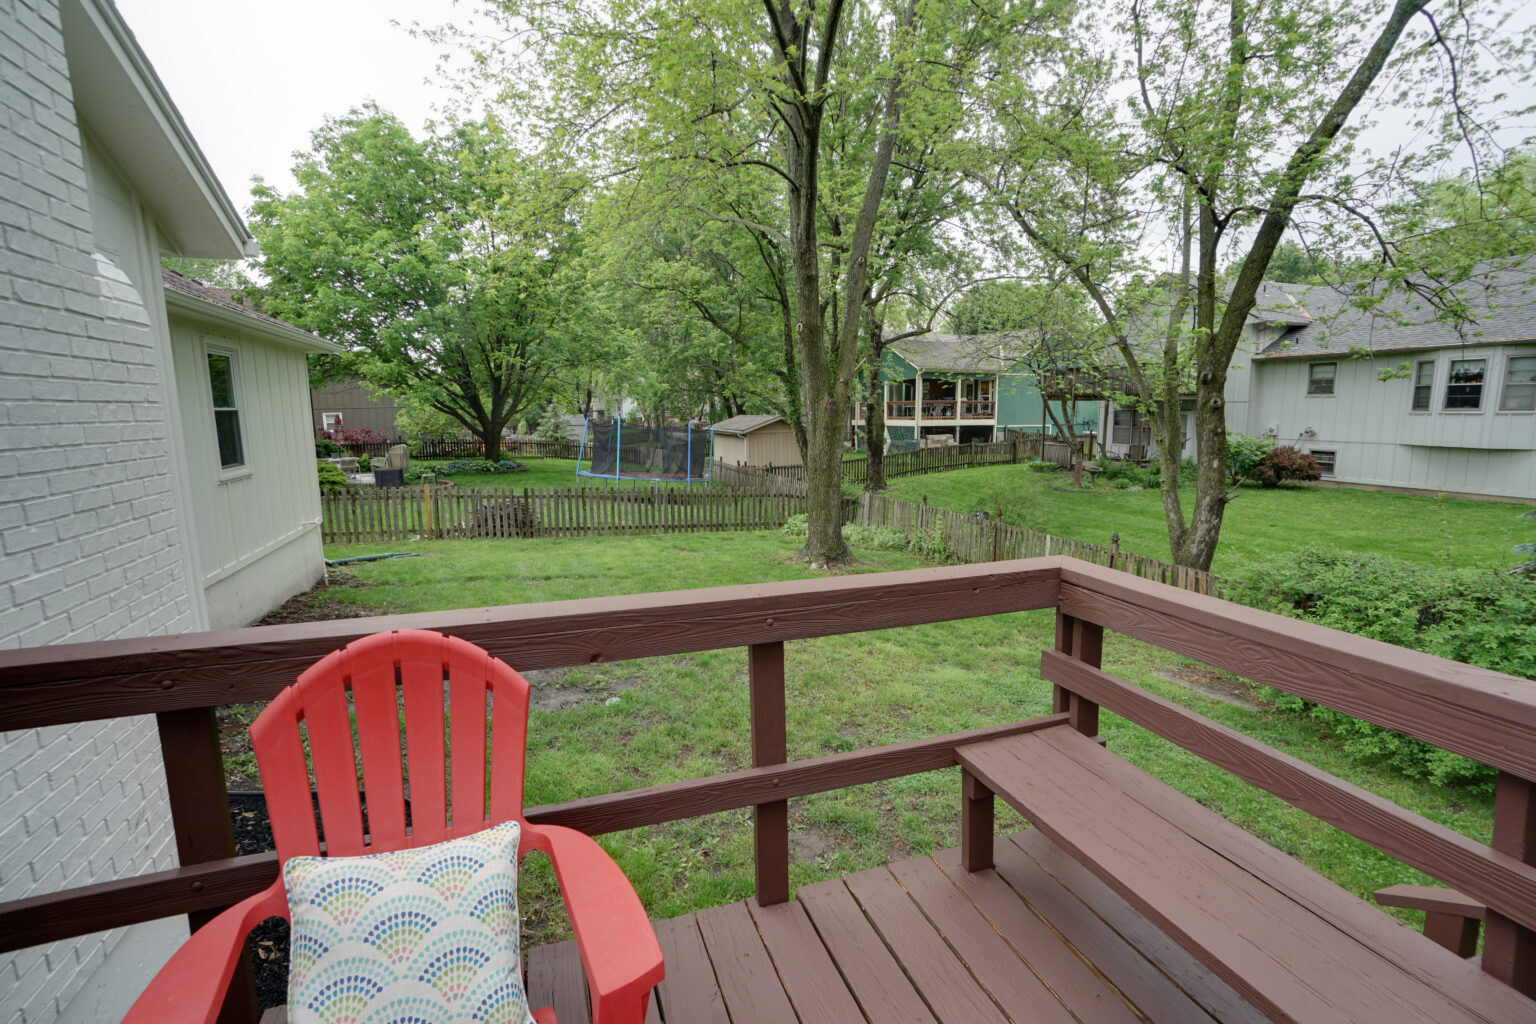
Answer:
(1295, 945)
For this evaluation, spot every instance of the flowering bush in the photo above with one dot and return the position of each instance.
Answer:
(353, 435)
(1285, 463)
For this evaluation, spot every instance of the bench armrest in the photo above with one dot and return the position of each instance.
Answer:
(1432, 899)
(618, 945)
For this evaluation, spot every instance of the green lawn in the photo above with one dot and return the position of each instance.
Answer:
(1259, 522)
(663, 719)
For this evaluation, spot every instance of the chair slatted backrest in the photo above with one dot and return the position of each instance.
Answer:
(370, 682)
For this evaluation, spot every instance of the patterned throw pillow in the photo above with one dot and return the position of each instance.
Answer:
(429, 934)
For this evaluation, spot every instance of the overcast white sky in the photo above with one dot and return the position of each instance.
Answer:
(253, 79)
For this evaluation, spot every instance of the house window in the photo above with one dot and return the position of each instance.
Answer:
(330, 420)
(1464, 389)
(1423, 385)
(226, 411)
(1123, 430)
(1325, 460)
(1520, 384)
(1320, 378)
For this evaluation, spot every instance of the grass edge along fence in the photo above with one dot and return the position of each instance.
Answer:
(974, 538)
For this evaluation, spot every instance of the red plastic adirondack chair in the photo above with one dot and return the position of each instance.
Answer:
(618, 946)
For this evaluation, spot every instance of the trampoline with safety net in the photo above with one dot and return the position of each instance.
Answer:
(629, 451)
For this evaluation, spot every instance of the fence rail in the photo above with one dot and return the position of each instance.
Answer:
(524, 446)
(360, 515)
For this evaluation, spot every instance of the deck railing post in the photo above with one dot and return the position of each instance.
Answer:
(770, 821)
(1083, 641)
(194, 778)
(1509, 949)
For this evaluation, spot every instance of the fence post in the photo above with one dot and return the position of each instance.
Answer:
(1114, 549)
(770, 821)
(997, 536)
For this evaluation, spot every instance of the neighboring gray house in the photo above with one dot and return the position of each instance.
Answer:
(1458, 413)
(156, 464)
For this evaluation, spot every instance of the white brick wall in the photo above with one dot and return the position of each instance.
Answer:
(89, 545)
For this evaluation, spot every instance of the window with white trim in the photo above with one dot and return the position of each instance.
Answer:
(1423, 385)
(1464, 386)
(330, 420)
(1325, 459)
(226, 409)
(1519, 385)
(1320, 378)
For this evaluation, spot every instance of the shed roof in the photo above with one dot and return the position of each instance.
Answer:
(1324, 320)
(741, 425)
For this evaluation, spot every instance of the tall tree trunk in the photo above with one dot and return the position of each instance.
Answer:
(874, 418)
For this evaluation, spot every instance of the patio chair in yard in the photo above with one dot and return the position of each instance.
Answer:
(384, 673)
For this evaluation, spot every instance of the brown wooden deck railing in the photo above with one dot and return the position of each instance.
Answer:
(1481, 714)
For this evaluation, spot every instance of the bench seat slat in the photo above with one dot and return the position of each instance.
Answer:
(1283, 957)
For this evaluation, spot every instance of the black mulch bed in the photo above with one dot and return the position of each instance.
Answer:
(268, 944)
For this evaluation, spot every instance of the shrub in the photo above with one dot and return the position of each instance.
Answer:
(1285, 463)
(354, 435)
(1042, 466)
(1477, 616)
(479, 466)
(797, 525)
(331, 476)
(325, 448)
(1244, 453)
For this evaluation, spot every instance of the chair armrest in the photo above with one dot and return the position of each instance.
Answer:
(617, 943)
(191, 985)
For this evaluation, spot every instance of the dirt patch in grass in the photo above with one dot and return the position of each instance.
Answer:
(320, 603)
(1217, 685)
(547, 693)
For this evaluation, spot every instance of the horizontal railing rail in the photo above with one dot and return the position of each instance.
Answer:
(181, 679)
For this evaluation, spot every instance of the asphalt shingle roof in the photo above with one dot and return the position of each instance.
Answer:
(221, 298)
(1323, 321)
(968, 352)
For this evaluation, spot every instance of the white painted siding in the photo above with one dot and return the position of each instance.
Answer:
(257, 526)
(1382, 441)
(90, 539)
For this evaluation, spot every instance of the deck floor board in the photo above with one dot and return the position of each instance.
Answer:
(918, 942)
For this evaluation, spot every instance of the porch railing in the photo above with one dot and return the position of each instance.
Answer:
(181, 680)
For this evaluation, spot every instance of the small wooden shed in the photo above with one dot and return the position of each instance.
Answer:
(756, 441)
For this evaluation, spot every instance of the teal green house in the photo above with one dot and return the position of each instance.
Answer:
(967, 388)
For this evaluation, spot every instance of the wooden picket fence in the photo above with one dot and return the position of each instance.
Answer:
(419, 511)
(521, 446)
(979, 538)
